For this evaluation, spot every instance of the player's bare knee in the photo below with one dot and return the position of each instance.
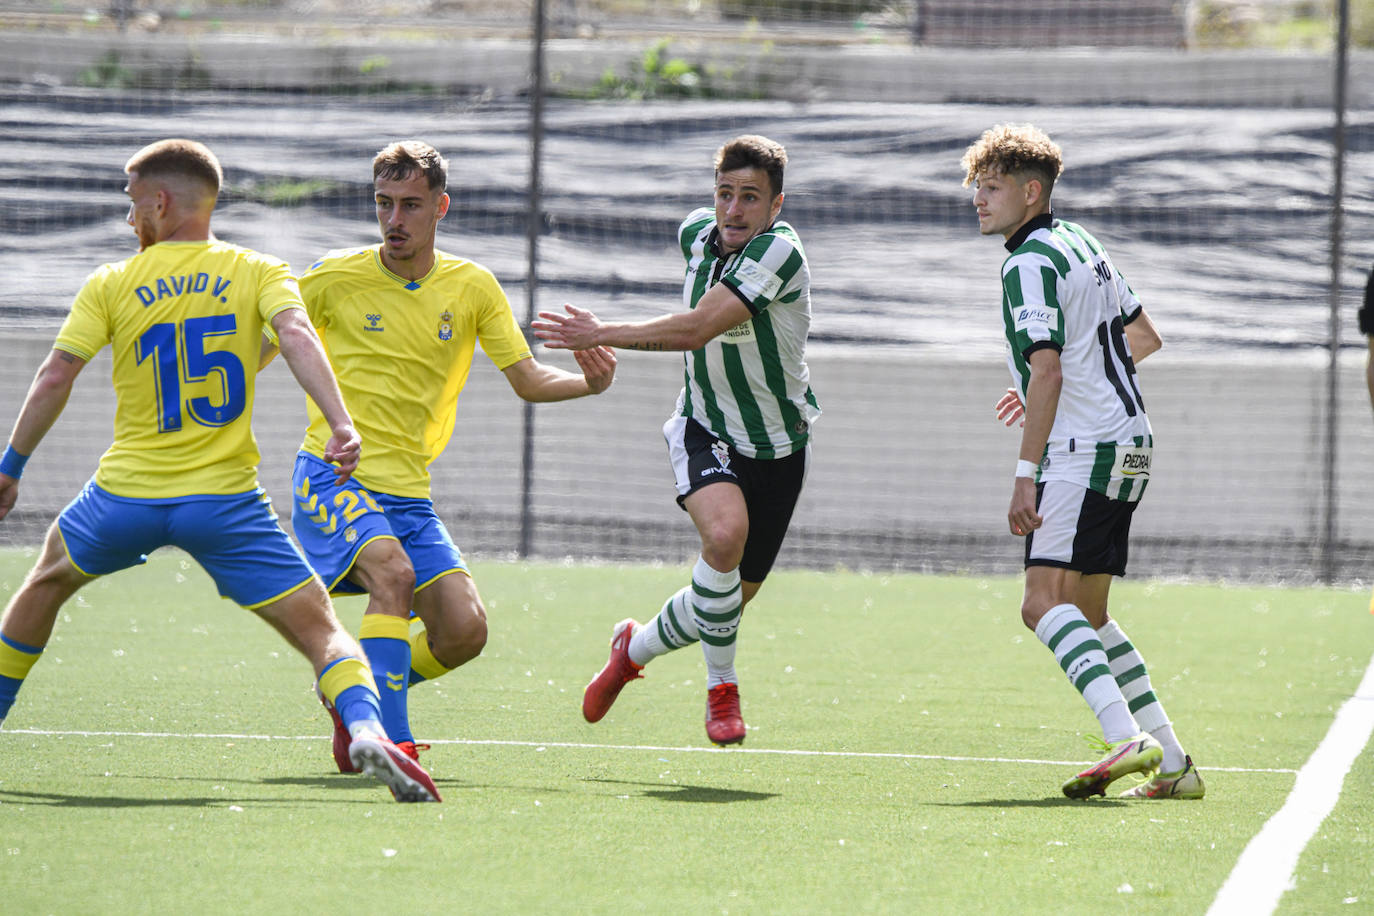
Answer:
(722, 547)
(1031, 612)
(462, 644)
(53, 583)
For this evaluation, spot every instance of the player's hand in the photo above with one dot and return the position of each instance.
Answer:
(9, 494)
(598, 367)
(1022, 517)
(344, 448)
(1010, 409)
(573, 331)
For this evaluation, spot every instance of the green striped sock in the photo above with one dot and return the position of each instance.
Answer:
(1066, 632)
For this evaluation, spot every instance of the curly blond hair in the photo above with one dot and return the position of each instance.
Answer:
(1020, 150)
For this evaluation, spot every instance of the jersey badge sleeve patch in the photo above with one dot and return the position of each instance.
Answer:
(1036, 317)
(756, 281)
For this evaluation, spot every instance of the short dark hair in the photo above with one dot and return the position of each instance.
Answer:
(754, 152)
(404, 158)
(178, 158)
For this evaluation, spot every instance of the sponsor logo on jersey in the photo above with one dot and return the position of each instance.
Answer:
(446, 325)
(740, 333)
(350, 534)
(1134, 462)
(767, 282)
(165, 287)
(374, 322)
(1036, 316)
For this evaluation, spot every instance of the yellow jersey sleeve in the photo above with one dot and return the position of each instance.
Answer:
(184, 321)
(86, 330)
(402, 351)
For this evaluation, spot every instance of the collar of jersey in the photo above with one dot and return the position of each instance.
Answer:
(411, 285)
(1043, 221)
(181, 242)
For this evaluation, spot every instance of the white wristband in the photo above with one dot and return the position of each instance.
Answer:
(1026, 468)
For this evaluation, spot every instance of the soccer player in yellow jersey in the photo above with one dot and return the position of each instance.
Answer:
(400, 322)
(186, 318)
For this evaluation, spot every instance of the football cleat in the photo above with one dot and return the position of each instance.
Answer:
(1184, 783)
(341, 736)
(1140, 754)
(411, 749)
(600, 694)
(379, 758)
(724, 724)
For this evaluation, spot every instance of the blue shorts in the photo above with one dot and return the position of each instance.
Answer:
(334, 522)
(236, 539)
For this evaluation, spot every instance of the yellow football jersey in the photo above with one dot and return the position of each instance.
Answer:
(402, 351)
(184, 321)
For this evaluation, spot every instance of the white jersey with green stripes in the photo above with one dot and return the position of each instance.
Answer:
(750, 385)
(1060, 290)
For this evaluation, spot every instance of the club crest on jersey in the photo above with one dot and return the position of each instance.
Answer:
(374, 322)
(446, 325)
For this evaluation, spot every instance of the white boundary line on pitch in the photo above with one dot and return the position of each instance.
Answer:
(576, 745)
(1266, 868)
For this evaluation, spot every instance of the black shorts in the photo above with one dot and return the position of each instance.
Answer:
(771, 488)
(1082, 530)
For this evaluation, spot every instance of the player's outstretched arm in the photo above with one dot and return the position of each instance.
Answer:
(716, 312)
(47, 396)
(305, 356)
(534, 381)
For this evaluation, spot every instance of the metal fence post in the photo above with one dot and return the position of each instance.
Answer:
(1329, 534)
(534, 227)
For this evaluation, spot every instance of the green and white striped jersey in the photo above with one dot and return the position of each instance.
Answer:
(750, 385)
(1060, 290)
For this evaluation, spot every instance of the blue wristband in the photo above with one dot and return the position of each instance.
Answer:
(12, 463)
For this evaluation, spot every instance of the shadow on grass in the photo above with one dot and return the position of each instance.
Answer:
(59, 800)
(709, 795)
(331, 783)
(1052, 802)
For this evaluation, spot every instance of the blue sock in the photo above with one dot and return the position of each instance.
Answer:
(386, 640)
(9, 689)
(16, 658)
(347, 684)
(358, 704)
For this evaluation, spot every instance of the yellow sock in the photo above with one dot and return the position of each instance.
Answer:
(423, 665)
